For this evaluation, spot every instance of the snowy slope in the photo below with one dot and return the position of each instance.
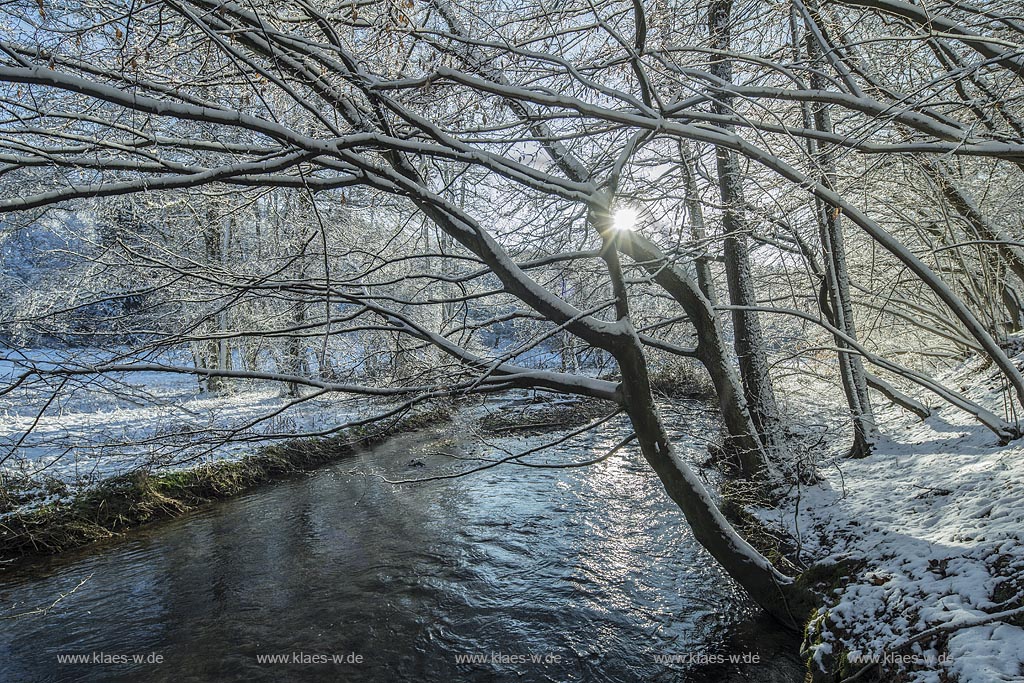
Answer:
(933, 524)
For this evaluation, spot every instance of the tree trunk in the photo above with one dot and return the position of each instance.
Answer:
(748, 338)
(697, 225)
(217, 352)
(837, 304)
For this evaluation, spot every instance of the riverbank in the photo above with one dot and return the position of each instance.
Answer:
(130, 500)
(927, 539)
(123, 502)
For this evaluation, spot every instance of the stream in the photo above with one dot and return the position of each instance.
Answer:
(508, 574)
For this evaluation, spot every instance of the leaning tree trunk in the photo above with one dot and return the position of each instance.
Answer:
(774, 591)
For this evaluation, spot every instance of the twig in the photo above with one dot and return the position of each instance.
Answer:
(935, 630)
(45, 610)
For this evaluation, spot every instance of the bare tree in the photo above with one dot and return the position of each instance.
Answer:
(490, 156)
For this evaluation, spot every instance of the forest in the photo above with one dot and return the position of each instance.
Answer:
(762, 260)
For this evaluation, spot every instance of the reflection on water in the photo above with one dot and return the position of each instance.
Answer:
(591, 570)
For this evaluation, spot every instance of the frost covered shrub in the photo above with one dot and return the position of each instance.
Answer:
(682, 379)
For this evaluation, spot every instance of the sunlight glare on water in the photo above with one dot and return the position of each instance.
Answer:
(594, 567)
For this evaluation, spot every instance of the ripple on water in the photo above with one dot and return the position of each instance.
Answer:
(594, 565)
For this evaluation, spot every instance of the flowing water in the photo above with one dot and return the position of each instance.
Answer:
(585, 574)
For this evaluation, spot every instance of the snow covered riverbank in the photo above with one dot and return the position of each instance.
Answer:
(101, 426)
(62, 434)
(930, 530)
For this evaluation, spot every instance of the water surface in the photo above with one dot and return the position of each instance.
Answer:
(585, 574)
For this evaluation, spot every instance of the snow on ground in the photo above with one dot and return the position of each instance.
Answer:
(933, 523)
(99, 427)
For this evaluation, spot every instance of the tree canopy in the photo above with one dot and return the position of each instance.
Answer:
(365, 197)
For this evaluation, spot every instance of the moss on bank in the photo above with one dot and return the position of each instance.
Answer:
(830, 665)
(130, 500)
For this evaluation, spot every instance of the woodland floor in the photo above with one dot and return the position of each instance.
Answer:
(927, 533)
